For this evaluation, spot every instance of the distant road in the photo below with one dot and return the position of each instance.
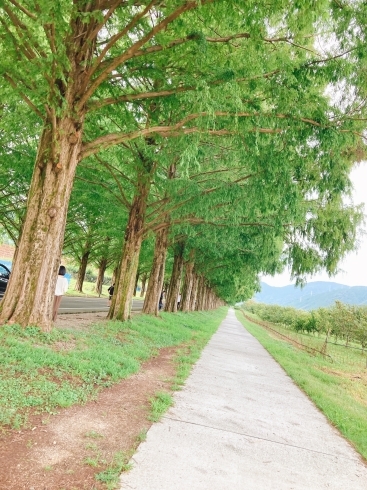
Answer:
(74, 304)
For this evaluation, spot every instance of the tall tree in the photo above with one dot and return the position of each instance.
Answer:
(75, 62)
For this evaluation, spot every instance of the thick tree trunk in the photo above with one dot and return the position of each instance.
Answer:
(156, 277)
(30, 292)
(31, 289)
(82, 269)
(187, 288)
(102, 266)
(175, 282)
(125, 278)
(144, 279)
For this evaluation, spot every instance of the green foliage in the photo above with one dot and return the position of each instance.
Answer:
(343, 322)
(243, 152)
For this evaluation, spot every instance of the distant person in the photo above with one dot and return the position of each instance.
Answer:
(178, 300)
(61, 288)
(161, 299)
(110, 290)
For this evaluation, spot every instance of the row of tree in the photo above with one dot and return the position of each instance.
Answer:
(193, 134)
(343, 322)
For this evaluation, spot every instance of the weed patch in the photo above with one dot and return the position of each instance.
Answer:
(159, 404)
(110, 476)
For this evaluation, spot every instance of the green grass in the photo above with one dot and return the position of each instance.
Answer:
(349, 359)
(159, 404)
(336, 389)
(89, 290)
(44, 372)
(110, 476)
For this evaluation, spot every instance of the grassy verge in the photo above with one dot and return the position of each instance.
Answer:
(89, 290)
(340, 393)
(47, 371)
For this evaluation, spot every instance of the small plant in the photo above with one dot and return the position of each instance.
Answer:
(93, 434)
(110, 476)
(92, 446)
(141, 437)
(159, 405)
(94, 462)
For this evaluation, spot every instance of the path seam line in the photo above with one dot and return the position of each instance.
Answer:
(261, 438)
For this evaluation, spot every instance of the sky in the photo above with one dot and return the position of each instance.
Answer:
(353, 269)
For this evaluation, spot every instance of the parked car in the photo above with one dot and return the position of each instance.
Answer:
(4, 278)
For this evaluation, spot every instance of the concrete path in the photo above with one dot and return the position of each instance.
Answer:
(240, 423)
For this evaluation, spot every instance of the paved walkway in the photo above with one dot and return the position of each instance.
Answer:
(240, 423)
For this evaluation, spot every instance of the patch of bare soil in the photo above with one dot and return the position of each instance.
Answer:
(66, 451)
(79, 321)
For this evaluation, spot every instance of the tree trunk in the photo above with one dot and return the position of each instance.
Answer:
(156, 277)
(125, 278)
(114, 275)
(187, 289)
(207, 298)
(31, 289)
(82, 269)
(102, 266)
(194, 292)
(143, 284)
(174, 285)
(200, 294)
(30, 293)
(136, 282)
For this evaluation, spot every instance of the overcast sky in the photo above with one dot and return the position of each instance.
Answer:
(354, 267)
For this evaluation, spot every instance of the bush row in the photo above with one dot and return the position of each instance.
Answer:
(343, 322)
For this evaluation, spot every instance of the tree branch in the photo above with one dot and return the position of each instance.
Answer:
(187, 6)
(23, 9)
(99, 183)
(166, 93)
(24, 97)
(115, 38)
(109, 168)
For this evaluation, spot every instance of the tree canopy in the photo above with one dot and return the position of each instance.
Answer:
(213, 120)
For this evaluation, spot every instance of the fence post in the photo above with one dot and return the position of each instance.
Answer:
(324, 347)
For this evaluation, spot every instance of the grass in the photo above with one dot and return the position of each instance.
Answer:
(159, 404)
(44, 372)
(93, 434)
(89, 290)
(110, 476)
(349, 359)
(339, 390)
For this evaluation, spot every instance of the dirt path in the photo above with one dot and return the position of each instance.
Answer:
(65, 451)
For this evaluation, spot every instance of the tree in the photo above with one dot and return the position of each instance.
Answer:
(75, 62)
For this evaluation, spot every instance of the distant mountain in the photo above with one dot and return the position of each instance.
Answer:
(313, 295)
